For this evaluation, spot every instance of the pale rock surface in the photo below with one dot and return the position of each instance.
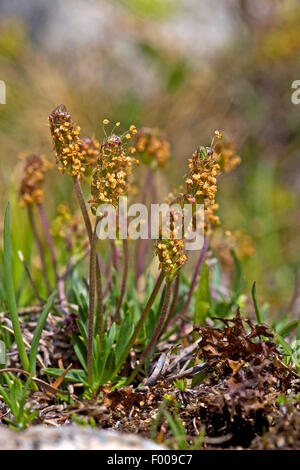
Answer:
(72, 437)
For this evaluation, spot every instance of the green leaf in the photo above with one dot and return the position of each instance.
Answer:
(199, 377)
(237, 283)
(73, 375)
(124, 336)
(286, 346)
(80, 350)
(286, 330)
(109, 368)
(202, 296)
(37, 334)
(109, 339)
(2, 289)
(98, 364)
(177, 429)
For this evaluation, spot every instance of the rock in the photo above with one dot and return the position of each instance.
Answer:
(72, 437)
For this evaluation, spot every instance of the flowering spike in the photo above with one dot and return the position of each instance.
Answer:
(170, 251)
(171, 256)
(201, 183)
(110, 176)
(153, 147)
(65, 135)
(31, 190)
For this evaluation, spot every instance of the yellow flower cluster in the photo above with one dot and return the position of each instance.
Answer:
(170, 251)
(225, 155)
(171, 256)
(153, 147)
(89, 148)
(110, 176)
(31, 190)
(66, 139)
(201, 183)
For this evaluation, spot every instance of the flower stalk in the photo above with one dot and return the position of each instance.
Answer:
(92, 286)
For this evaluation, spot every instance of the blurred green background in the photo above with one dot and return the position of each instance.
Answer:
(189, 67)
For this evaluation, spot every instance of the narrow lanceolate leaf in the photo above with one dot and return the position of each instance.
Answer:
(259, 316)
(73, 375)
(60, 379)
(10, 291)
(203, 296)
(37, 334)
(238, 281)
(286, 346)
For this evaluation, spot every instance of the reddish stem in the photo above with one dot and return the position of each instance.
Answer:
(92, 279)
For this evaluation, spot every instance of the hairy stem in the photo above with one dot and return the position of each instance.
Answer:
(92, 282)
(83, 207)
(115, 255)
(39, 247)
(100, 303)
(99, 289)
(155, 334)
(124, 281)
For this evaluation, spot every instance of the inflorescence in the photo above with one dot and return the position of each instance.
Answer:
(31, 190)
(66, 139)
(153, 147)
(111, 173)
